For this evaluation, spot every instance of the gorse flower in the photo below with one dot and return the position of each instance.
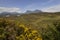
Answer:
(11, 31)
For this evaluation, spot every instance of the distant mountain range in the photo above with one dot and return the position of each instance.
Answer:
(35, 11)
(15, 14)
(7, 14)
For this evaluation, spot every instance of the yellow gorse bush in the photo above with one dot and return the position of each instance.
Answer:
(29, 34)
(13, 31)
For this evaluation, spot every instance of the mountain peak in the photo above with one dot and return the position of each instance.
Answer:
(35, 11)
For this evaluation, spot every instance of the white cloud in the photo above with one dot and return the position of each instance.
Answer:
(5, 9)
(55, 8)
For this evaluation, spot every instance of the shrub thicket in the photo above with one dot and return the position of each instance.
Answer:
(10, 31)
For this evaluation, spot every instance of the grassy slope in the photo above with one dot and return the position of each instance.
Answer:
(41, 22)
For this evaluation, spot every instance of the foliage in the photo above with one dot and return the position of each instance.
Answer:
(34, 26)
(11, 31)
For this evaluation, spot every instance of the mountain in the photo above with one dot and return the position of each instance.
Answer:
(35, 11)
(7, 14)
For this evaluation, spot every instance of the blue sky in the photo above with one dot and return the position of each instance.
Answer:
(23, 5)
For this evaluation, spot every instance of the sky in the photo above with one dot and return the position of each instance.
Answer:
(24, 5)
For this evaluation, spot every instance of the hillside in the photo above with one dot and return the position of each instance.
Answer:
(47, 24)
(44, 23)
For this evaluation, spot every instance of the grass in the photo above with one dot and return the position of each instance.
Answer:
(47, 24)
